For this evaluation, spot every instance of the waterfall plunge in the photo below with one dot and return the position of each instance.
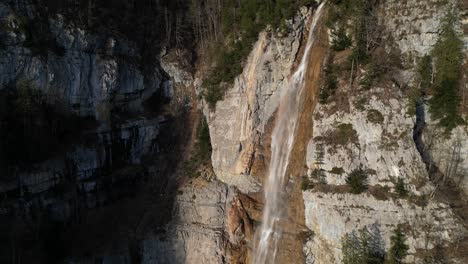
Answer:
(281, 146)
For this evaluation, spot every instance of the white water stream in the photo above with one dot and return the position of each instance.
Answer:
(281, 146)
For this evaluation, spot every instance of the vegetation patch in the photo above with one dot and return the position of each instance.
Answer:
(366, 246)
(439, 75)
(342, 135)
(336, 170)
(398, 249)
(330, 81)
(401, 188)
(374, 116)
(381, 193)
(447, 59)
(357, 180)
(201, 154)
(305, 183)
(363, 247)
(241, 23)
(361, 104)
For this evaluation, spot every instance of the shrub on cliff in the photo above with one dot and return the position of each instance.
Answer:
(400, 188)
(340, 39)
(357, 180)
(305, 184)
(330, 81)
(201, 153)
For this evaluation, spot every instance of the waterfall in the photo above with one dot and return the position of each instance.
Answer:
(281, 145)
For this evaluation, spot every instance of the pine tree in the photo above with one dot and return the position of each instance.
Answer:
(400, 188)
(350, 249)
(448, 57)
(365, 248)
(398, 249)
(357, 180)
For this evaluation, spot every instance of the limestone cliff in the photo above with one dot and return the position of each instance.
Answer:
(370, 129)
(125, 189)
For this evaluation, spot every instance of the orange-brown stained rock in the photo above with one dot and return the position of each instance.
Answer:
(290, 248)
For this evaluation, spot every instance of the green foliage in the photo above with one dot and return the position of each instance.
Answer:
(447, 55)
(400, 188)
(241, 22)
(357, 180)
(202, 150)
(340, 39)
(374, 116)
(424, 83)
(366, 247)
(330, 82)
(373, 72)
(399, 249)
(424, 73)
(319, 176)
(345, 134)
(359, 12)
(336, 170)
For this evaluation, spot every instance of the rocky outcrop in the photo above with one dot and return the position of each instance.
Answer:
(91, 74)
(373, 133)
(449, 152)
(241, 118)
(196, 234)
(136, 110)
(333, 215)
(413, 24)
(373, 130)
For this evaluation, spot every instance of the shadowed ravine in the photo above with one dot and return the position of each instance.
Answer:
(283, 141)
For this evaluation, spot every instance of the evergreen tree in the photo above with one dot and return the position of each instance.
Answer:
(398, 249)
(357, 180)
(400, 188)
(350, 249)
(448, 57)
(424, 74)
(364, 248)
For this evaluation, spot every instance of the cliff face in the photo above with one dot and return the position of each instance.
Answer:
(240, 120)
(120, 192)
(370, 129)
(373, 130)
(122, 112)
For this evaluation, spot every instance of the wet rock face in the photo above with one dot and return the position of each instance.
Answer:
(239, 120)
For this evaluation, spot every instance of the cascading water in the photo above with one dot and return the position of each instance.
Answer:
(281, 146)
